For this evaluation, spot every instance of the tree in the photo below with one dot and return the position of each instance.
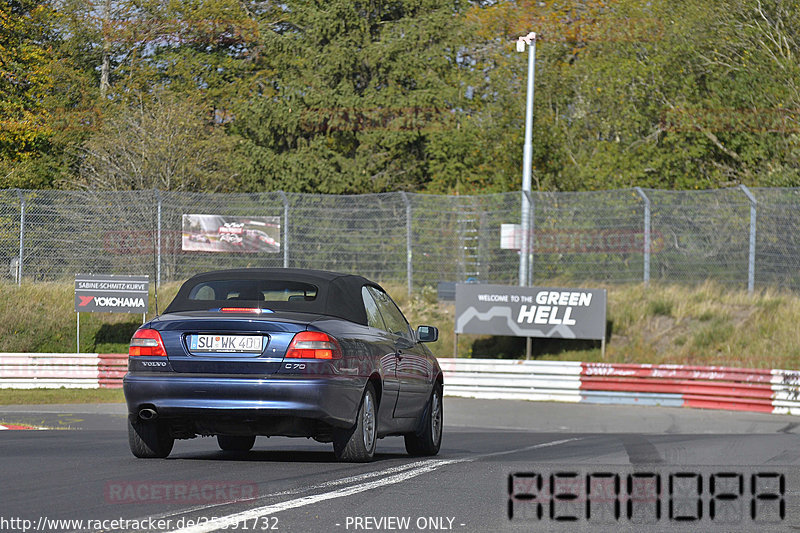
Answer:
(163, 142)
(353, 95)
(93, 62)
(650, 93)
(25, 80)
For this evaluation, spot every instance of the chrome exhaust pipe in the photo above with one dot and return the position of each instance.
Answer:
(148, 414)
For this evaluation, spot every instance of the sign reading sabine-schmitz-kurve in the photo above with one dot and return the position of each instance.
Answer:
(111, 294)
(530, 311)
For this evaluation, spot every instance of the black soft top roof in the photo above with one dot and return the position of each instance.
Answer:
(338, 294)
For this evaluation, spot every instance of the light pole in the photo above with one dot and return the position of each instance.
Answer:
(525, 269)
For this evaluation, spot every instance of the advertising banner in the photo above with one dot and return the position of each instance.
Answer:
(530, 311)
(231, 234)
(111, 294)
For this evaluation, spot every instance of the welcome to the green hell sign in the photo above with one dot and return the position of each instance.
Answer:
(530, 311)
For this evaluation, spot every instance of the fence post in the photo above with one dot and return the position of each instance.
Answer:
(409, 256)
(158, 238)
(21, 236)
(751, 261)
(646, 234)
(285, 242)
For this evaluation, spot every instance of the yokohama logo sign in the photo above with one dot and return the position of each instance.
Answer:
(110, 301)
(111, 294)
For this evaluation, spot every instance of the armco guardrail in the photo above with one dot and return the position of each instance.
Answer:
(709, 387)
(56, 370)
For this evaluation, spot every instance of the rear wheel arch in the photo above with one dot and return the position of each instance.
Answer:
(377, 386)
(357, 444)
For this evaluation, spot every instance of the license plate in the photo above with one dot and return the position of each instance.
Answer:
(253, 344)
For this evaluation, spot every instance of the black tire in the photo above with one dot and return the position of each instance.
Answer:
(357, 444)
(429, 440)
(236, 443)
(149, 439)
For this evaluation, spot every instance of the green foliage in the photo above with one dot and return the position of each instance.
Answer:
(716, 332)
(355, 96)
(161, 142)
(25, 79)
(659, 308)
(653, 93)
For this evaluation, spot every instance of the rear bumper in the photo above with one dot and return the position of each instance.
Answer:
(332, 400)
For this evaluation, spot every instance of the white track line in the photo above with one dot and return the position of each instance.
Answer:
(421, 467)
(289, 492)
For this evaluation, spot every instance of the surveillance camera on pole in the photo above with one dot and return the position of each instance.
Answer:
(525, 40)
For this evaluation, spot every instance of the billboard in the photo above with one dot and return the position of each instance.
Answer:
(230, 234)
(530, 311)
(111, 294)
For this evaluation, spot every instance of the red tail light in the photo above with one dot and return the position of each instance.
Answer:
(313, 345)
(147, 342)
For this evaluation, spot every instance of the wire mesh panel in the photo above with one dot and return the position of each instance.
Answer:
(182, 256)
(577, 237)
(457, 238)
(701, 235)
(595, 236)
(67, 232)
(778, 237)
(363, 234)
(10, 204)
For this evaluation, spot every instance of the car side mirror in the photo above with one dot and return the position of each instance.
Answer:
(427, 334)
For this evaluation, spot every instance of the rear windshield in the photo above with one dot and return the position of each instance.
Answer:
(253, 290)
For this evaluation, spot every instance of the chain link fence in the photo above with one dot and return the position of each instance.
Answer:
(734, 236)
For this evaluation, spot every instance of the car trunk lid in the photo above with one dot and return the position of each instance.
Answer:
(232, 343)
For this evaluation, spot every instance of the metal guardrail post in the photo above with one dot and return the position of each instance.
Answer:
(285, 242)
(646, 234)
(21, 236)
(409, 250)
(751, 261)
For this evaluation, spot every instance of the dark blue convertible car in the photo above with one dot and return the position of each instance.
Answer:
(298, 353)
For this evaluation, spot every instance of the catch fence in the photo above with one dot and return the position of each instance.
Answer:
(736, 236)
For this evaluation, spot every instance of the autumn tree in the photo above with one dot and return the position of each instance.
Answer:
(164, 76)
(162, 142)
(25, 80)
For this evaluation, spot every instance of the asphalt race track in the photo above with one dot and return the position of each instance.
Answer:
(504, 466)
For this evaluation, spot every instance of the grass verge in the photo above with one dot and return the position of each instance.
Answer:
(709, 324)
(57, 396)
